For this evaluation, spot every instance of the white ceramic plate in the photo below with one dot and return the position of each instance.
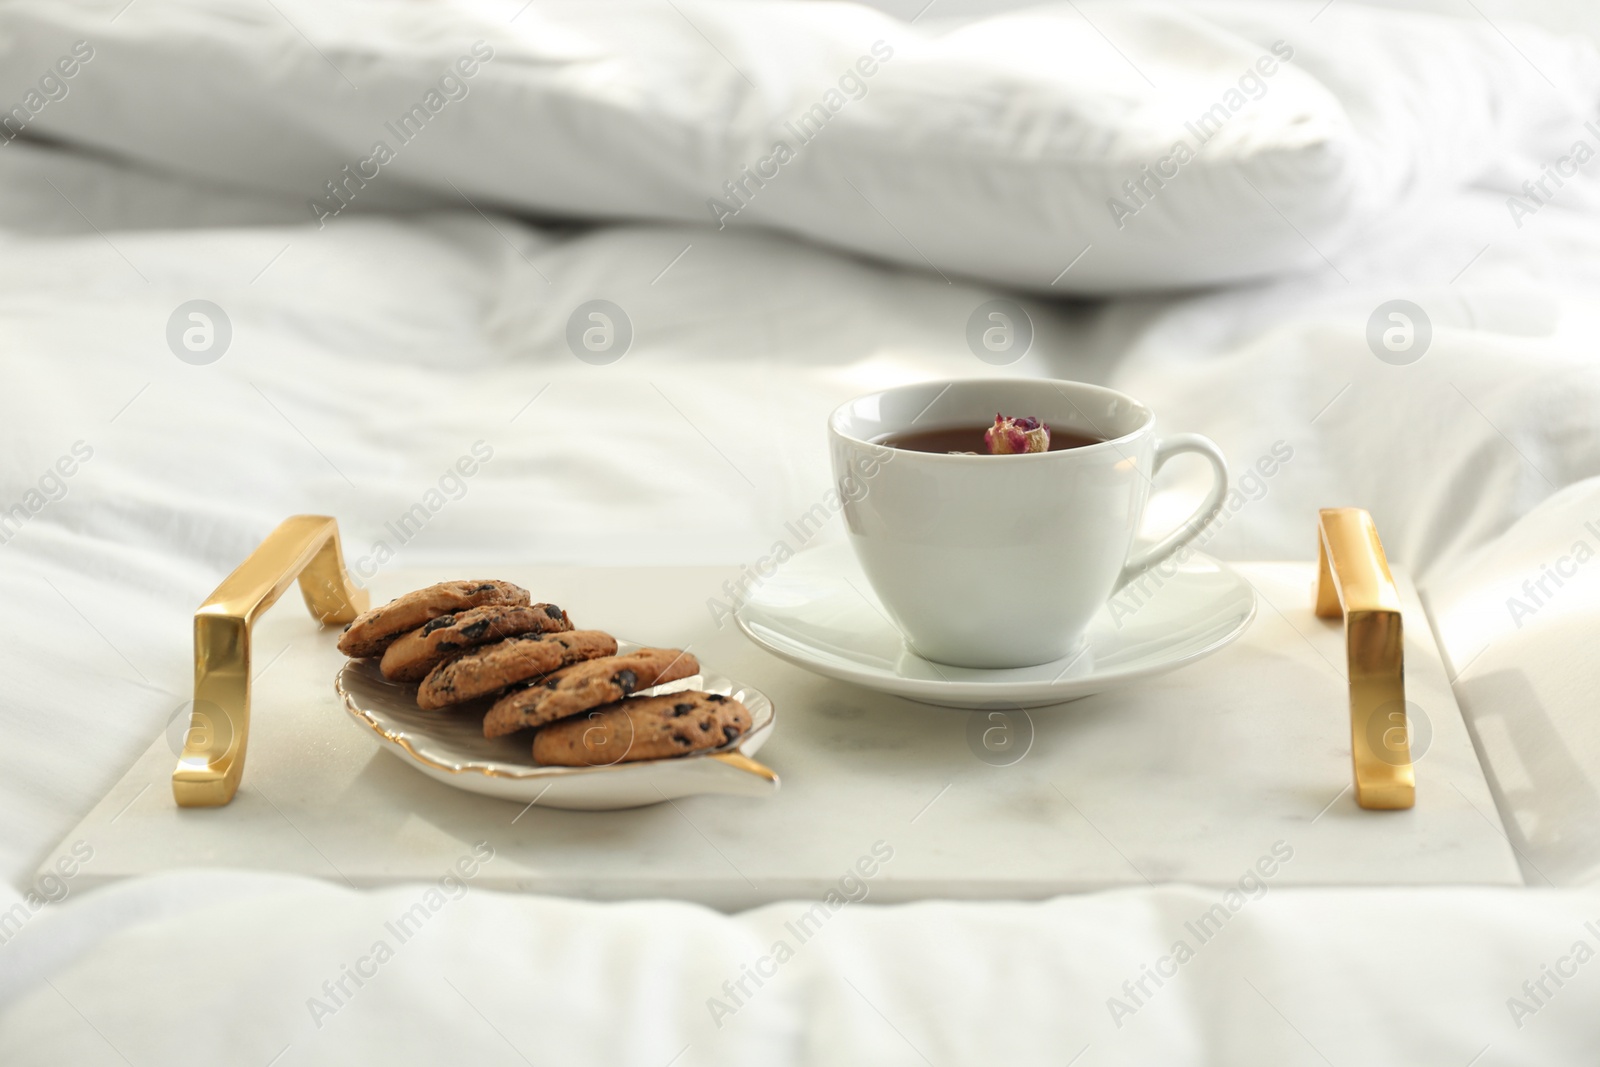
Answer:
(819, 612)
(450, 746)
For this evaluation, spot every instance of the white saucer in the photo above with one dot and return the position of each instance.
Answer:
(819, 612)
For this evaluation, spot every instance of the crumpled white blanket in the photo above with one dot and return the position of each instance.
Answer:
(243, 969)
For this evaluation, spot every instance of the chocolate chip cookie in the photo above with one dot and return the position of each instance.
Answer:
(375, 630)
(587, 685)
(643, 728)
(413, 655)
(516, 659)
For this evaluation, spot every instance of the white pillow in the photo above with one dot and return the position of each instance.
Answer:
(1040, 149)
(1517, 624)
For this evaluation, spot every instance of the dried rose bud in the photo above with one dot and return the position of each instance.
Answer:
(1010, 437)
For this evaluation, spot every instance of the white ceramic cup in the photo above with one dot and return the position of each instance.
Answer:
(1002, 561)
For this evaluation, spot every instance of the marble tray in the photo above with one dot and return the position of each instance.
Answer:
(1194, 776)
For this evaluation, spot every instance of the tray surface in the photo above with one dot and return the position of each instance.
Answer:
(1191, 776)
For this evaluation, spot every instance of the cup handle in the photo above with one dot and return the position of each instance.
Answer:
(1166, 448)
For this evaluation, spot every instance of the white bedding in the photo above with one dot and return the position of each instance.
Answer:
(202, 969)
(367, 356)
(986, 150)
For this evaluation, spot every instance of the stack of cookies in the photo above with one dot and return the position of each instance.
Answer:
(467, 641)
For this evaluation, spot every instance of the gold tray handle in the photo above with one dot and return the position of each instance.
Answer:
(1353, 580)
(304, 547)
